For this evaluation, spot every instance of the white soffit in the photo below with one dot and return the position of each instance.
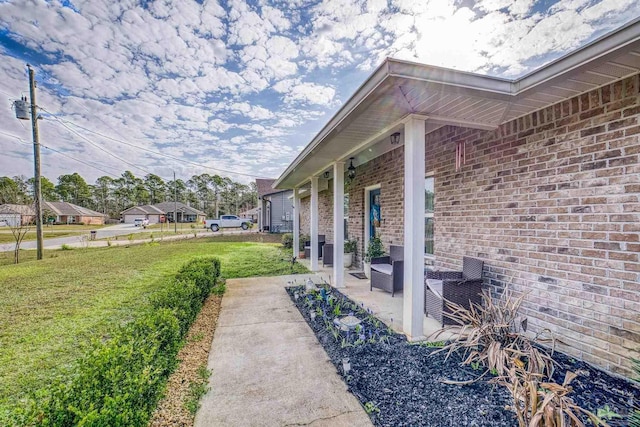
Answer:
(397, 89)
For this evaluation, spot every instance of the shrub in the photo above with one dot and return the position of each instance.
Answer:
(204, 271)
(303, 238)
(374, 249)
(350, 246)
(66, 247)
(120, 380)
(287, 240)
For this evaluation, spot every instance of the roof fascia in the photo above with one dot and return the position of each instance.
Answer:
(598, 48)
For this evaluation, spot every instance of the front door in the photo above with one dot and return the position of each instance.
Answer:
(374, 212)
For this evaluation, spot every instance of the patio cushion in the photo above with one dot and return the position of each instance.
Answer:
(383, 268)
(435, 286)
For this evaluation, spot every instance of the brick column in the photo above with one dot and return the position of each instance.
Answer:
(414, 171)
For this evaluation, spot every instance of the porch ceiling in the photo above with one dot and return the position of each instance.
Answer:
(397, 89)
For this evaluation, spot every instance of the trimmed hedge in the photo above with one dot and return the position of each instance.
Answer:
(120, 380)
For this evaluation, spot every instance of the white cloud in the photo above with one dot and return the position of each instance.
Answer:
(238, 85)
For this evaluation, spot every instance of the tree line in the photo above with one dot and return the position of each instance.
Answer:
(213, 194)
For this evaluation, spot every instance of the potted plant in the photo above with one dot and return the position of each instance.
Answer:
(349, 251)
(301, 240)
(374, 250)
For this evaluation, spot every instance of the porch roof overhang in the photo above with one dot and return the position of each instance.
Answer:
(399, 89)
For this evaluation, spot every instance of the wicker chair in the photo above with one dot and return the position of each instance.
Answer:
(307, 246)
(387, 272)
(327, 254)
(459, 287)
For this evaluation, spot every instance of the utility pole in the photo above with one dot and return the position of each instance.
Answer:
(175, 204)
(36, 163)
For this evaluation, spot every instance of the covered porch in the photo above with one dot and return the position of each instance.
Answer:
(384, 307)
(535, 176)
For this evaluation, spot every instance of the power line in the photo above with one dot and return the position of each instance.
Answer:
(169, 156)
(98, 146)
(23, 142)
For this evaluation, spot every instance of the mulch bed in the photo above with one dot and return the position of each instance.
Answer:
(400, 384)
(171, 410)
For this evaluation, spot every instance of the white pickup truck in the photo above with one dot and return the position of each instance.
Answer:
(227, 221)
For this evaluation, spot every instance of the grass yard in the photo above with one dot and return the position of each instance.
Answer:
(50, 309)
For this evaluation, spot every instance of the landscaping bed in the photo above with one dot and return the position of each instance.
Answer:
(401, 384)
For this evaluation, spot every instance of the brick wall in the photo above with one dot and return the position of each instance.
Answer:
(325, 212)
(388, 171)
(550, 201)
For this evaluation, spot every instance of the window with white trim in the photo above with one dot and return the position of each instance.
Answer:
(429, 209)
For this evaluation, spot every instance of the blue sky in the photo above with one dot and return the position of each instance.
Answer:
(239, 88)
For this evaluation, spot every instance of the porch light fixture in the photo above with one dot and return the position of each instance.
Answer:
(351, 170)
(395, 138)
(326, 175)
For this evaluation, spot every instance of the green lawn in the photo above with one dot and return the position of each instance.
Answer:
(49, 309)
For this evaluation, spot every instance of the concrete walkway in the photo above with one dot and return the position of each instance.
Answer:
(268, 368)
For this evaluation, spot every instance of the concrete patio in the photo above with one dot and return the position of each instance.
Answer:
(386, 308)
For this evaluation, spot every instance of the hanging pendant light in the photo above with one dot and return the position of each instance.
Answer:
(351, 170)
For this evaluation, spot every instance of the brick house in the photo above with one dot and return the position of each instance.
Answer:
(68, 213)
(538, 176)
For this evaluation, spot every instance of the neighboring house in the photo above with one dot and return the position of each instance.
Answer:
(17, 215)
(251, 214)
(537, 176)
(184, 213)
(150, 212)
(68, 213)
(275, 207)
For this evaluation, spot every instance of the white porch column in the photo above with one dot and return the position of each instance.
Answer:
(296, 222)
(314, 223)
(338, 224)
(414, 170)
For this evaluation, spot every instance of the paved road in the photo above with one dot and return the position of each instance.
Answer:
(56, 242)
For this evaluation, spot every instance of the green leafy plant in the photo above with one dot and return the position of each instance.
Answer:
(197, 389)
(374, 249)
(371, 408)
(606, 413)
(301, 239)
(337, 311)
(197, 337)
(287, 240)
(350, 246)
(66, 247)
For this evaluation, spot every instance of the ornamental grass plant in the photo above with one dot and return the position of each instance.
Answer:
(491, 335)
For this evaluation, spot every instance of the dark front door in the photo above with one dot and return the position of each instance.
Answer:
(374, 212)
